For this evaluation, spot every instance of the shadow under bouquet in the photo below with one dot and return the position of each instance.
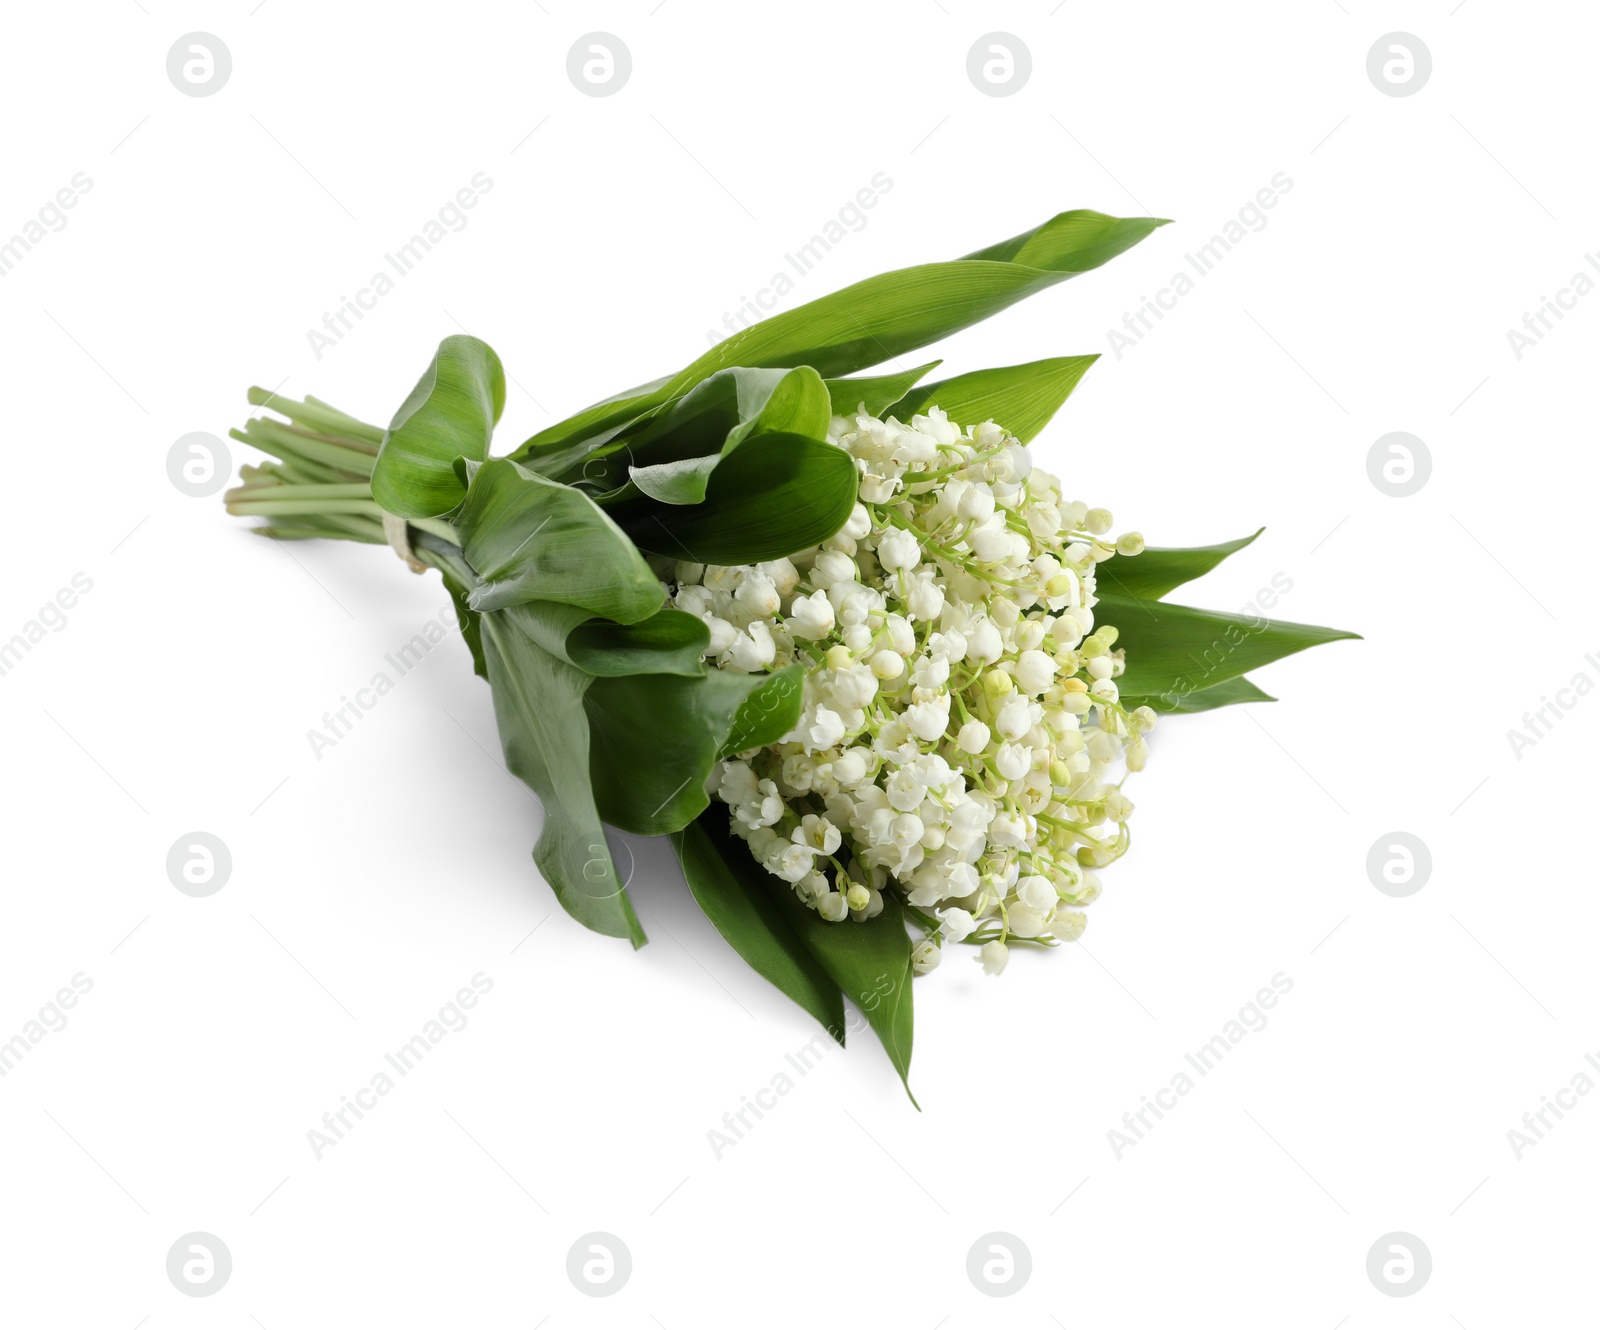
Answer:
(880, 678)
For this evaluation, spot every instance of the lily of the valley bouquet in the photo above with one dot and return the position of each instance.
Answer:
(880, 678)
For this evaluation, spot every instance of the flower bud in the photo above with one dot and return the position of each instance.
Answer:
(1069, 925)
(994, 956)
(723, 633)
(811, 616)
(926, 599)
(898, 550)
(857, 637)
(973, 737)
(1013, 761)
(888, 665)
(997, 683)
(1136, 754)
(832, 906)
(758, 594)
(976, 502)
(1035, 672)
(957, 923)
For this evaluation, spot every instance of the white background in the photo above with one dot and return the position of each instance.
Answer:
(368, 886)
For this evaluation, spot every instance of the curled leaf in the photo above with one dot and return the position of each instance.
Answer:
(451, 413)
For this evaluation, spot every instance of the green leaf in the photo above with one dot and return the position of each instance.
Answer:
(1174, 651)
(1019, 398)
(451, 413)
(544, 729)
(467, 618)
(655, 738)
(741, 908)
(884, 316)
(774, 495)
(768, 713)
(1226, 694)
(530, 538)
(459, 580)
(673, 457)
(556, 447)
(668, 642)
(1151, 575)
(870, 961)
(877, 393)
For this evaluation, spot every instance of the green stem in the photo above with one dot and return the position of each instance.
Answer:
(318, 415)
(303, 507)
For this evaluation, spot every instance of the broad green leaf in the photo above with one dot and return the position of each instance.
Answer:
(668, 642)
(655, 738)
(451, 413)
(774, 495)
(870, 961)
(557, 446)
(884, 316)
(544, 729)
(876, 392)
(1174, 651)
(741, 908)
(529, 538)
(1151, 575)
(1019, 398)
(732, 405)
(769, 713)
(1226, 694)
(680, 482)
(672, 458)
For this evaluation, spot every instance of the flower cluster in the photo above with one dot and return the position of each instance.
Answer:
(962, 740)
